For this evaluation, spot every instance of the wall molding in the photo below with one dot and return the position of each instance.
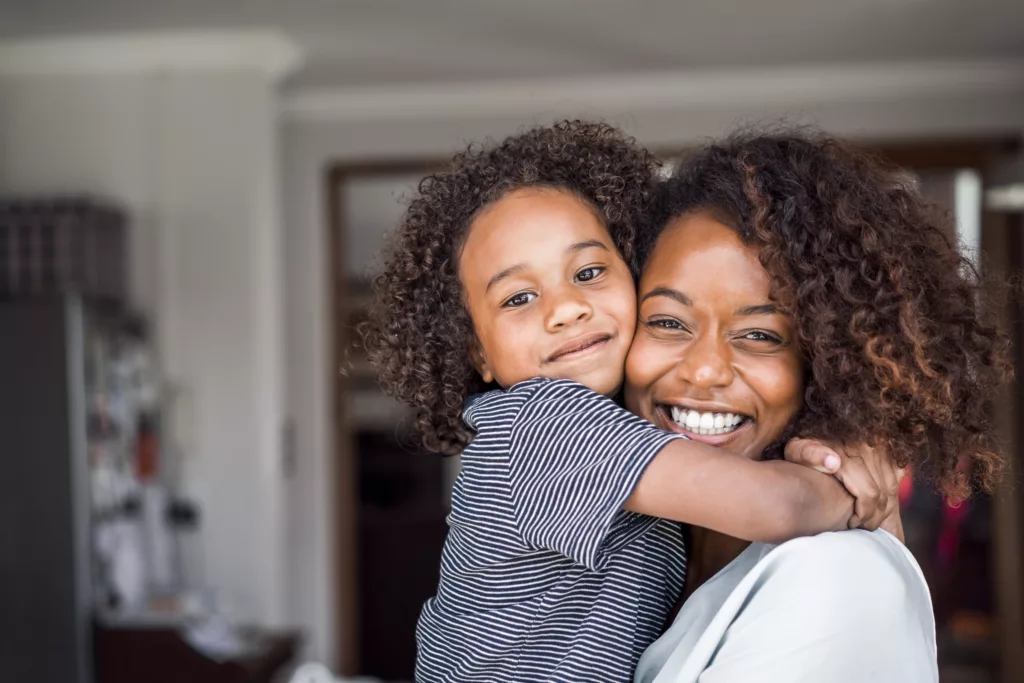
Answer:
(674, 91)
(262, 50)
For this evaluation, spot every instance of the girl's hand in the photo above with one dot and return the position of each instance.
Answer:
(867, 473)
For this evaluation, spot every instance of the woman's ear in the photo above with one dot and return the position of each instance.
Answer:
(479, 360)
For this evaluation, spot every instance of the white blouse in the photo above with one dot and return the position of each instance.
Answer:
(839, 607)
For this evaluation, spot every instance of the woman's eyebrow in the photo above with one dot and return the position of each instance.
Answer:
(673, 294)
(762, 309)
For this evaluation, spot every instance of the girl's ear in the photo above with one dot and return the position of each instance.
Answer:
(479, 360)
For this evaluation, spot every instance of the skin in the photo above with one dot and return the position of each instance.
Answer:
(549, 296)
(547, 291)
(710, 339)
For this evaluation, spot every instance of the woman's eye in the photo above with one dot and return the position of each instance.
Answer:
(665, 324)
(520, 299)
(588, 274)
(760, 336)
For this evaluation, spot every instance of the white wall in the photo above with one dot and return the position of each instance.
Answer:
(348, 126)
(194, 158)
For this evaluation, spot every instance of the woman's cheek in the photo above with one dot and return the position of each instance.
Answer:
(780, 386)
(646, 364)
(636, 361)
(636, 377)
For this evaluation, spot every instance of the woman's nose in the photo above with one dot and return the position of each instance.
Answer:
(566, 309)
(706, 363)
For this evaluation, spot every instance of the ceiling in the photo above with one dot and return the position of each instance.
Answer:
(361, 42)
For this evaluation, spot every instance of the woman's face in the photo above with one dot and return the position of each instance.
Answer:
(712, 357)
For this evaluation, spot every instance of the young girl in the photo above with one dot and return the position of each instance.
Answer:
(509, 273)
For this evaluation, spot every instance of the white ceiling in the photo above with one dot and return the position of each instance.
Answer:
(361, 42)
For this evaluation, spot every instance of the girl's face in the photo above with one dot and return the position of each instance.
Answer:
(547, 291)
(712, 357)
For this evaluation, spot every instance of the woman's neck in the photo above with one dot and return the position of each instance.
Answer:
(709, 553)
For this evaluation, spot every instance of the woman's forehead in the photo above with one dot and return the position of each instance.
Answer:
(697, 247)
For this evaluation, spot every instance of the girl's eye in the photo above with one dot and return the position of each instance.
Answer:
(520, 299)
(588, 274)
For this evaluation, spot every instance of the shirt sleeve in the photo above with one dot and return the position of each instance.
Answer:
(575, 458)
(830, 608)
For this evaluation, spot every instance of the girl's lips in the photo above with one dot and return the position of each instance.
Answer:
(667, 423)
(579, 347)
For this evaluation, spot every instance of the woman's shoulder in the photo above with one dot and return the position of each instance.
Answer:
(848, 567)
(843, 606)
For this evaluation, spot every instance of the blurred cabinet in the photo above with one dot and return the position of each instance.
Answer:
(162, 655)
(44, 493)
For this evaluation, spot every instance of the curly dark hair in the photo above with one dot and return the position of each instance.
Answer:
(418, 333)
(898, 346)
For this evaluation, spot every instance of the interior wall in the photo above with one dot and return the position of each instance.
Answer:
(194, 159)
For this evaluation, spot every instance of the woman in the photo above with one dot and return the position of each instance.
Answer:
(807, 288)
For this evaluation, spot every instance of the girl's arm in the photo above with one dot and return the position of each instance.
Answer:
(867, 472)
(769, 501)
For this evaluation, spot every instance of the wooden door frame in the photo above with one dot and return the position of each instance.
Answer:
(1008, 506)
(346, 494)
(976, 153)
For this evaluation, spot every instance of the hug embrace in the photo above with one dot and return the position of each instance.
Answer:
(684, 404)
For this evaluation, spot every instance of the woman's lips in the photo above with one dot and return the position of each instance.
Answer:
(579, 347)
(681, 420)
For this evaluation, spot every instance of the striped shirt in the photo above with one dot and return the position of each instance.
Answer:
(544, 577)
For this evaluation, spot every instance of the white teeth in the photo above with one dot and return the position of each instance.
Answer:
(709, 424)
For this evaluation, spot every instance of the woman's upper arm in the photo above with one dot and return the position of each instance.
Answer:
(830, 608)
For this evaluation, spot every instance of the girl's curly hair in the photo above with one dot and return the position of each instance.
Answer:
(896, 342)
(418, 332)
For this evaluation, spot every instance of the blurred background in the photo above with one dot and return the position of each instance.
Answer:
(191, 198)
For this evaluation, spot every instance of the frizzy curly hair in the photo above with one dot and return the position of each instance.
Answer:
(898, 346)
(418, 332)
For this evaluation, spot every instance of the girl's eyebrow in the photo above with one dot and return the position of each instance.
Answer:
(580, 246)
(512, 270)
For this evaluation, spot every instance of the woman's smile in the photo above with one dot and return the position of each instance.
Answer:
(697, 423)
(712, 357)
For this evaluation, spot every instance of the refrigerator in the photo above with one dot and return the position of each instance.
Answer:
(45, 555)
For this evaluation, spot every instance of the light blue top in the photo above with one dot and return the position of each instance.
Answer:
(838, 607)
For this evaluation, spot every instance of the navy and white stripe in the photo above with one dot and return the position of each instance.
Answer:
(544, 577)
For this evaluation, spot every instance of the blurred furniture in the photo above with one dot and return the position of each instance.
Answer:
(60, 259)
(160, 655)
(60, 245)
(44, 507)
